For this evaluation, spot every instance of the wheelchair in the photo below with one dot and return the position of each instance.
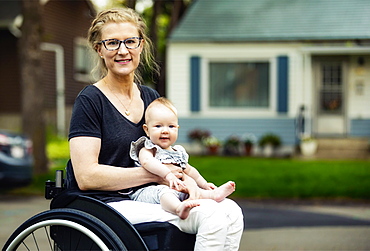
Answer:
(84, 223)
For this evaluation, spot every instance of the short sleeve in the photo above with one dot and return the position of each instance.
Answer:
(86, 118)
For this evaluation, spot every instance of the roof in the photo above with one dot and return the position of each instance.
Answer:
(10, 9)
(274, 20)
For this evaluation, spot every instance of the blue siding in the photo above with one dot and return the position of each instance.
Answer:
(195, 84)
(282, 82)
(360, 128)
(223, 128)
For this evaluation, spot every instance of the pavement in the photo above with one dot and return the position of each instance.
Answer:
(305, 225)
(269, 224)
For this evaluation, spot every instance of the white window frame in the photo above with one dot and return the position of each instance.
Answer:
(238, 111)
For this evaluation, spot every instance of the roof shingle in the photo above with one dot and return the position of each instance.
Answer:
(274, 20)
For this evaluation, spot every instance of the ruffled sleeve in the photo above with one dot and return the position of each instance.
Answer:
(138, 144)
(135, 148)
(184, 155)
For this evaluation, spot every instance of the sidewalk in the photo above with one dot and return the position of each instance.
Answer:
(305, 226)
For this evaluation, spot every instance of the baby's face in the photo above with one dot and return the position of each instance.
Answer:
(162, 126)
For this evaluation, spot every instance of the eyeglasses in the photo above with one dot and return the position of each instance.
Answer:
(115, 44)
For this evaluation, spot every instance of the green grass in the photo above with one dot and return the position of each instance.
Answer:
(288, 178)
(255, 177)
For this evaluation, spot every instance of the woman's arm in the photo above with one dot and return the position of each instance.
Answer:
(91, 175)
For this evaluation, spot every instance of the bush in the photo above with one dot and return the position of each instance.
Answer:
(270, 138)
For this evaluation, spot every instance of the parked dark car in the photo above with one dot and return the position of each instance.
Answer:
(16, 160)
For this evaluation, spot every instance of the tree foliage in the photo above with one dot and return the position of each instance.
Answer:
(162, 17)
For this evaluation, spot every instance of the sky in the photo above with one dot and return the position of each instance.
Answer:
(140, 5)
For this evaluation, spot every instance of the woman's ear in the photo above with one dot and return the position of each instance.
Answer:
(98, 50)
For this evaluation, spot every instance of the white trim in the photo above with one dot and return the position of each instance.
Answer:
(335, 50)
(60, 84)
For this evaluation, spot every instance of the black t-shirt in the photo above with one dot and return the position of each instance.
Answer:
(95, 116)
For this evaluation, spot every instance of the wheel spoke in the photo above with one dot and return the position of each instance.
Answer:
(48, 236)
(35, 241)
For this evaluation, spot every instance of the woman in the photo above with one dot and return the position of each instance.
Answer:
(108, 115)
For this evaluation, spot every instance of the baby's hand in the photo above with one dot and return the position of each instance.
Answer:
(175, 183)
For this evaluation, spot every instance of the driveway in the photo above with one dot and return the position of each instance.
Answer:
(305, 225)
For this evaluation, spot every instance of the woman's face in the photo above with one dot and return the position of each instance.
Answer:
(122, 62)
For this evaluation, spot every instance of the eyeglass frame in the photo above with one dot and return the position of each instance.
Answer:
(120, 42)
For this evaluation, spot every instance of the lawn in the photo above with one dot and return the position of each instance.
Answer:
(258, 177)
(288, 178)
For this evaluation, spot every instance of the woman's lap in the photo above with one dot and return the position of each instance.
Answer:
(138, 212)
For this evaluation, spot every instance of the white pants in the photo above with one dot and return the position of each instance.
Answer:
(218, 226)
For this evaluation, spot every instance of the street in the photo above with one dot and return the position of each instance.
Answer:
(268, 225)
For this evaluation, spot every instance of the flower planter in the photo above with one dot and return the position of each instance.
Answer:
(308, 148)
(213, 150)
(248, 149)
(268, 150)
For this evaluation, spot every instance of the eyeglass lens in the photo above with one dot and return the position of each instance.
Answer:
(114, 44)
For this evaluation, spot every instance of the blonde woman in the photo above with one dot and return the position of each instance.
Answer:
(109, 114)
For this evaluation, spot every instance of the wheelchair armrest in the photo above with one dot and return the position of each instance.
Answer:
(53, 188)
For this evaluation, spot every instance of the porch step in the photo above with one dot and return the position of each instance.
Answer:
(343, 148)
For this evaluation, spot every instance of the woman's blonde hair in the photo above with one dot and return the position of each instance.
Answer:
(120, 15)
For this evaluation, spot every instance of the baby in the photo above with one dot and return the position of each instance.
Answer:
(154, 152)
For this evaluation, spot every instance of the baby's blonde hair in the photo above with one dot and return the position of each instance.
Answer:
(161, 101)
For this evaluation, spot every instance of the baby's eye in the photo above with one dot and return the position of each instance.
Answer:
(157, 126)
(172, 126)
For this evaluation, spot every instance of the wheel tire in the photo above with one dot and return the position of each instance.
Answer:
(64, 229)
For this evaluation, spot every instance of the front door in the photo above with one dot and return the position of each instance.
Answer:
(330, 81)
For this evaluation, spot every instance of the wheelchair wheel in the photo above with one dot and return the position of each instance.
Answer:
(64, 229)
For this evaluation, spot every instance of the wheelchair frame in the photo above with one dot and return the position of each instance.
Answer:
(89, 224)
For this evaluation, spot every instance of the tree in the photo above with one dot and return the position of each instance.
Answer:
(33, 122)
(131, 3)
(163, 17)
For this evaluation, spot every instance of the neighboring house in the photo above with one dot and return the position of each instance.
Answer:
(247, 66)
(65, 62)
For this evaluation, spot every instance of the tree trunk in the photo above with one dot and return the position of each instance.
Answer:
(131, 4)
(33, 122)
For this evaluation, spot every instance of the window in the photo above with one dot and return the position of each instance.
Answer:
(239, 85)
(83, 63)
(331, 93)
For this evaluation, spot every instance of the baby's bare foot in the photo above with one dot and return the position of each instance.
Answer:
(184, 208)
(221, 192)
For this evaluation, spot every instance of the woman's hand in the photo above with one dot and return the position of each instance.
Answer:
(175, 183)
(176, 170)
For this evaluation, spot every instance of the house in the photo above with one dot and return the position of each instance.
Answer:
(65, 60)
(246, 66)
